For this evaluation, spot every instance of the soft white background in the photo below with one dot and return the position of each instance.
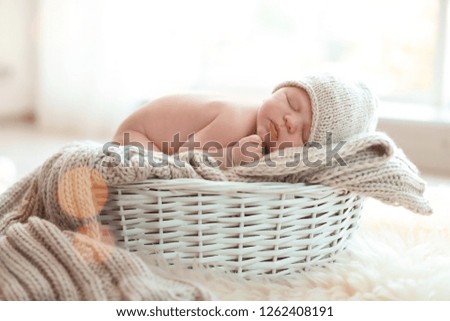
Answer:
(72, 69)
(76, 68)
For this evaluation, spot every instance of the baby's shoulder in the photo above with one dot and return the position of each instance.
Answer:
(235, 119)
(207, 108)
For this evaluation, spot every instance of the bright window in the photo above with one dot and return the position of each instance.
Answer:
(396, 45)
(107, 56)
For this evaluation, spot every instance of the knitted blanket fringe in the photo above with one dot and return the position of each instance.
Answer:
(52, 246)
(38, 261)
(370, 165)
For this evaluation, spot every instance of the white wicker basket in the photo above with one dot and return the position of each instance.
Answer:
(248, 228)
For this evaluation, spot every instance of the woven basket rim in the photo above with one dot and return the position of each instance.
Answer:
(261, 187)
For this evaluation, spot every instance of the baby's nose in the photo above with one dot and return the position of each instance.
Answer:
(290, 123)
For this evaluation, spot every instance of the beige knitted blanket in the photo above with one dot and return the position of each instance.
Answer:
(52, 247)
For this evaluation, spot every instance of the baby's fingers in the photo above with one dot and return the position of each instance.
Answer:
(253, 139)
(251, 151)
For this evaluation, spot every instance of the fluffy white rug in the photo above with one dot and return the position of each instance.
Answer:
(395, 255)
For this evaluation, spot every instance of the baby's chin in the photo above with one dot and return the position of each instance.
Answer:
(261, 132)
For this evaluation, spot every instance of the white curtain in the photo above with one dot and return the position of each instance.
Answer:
(16, 58)
(78, 89)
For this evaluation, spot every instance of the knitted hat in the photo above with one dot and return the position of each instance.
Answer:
(340, 107)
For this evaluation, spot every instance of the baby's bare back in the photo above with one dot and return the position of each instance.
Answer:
(189, 121)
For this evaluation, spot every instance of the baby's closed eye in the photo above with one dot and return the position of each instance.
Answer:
(291, 103)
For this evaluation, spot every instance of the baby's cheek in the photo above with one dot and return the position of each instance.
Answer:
(306, 132)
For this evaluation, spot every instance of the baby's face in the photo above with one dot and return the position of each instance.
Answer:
(284, 119)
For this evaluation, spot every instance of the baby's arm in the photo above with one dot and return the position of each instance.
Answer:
(135, 138)
(248, 149)
(221, 140)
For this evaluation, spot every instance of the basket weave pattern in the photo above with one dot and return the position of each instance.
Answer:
(248, 228)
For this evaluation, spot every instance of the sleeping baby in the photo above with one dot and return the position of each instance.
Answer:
(322, 108)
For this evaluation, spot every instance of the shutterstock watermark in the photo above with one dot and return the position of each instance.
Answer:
(313, 154)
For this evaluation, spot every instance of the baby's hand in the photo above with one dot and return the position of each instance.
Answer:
(248, 149)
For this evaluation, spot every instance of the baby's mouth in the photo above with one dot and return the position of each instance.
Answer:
(270, 137)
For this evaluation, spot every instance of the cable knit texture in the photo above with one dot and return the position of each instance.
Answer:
(41, 262)
(52, 246)
(369, 164)
(339, 106)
